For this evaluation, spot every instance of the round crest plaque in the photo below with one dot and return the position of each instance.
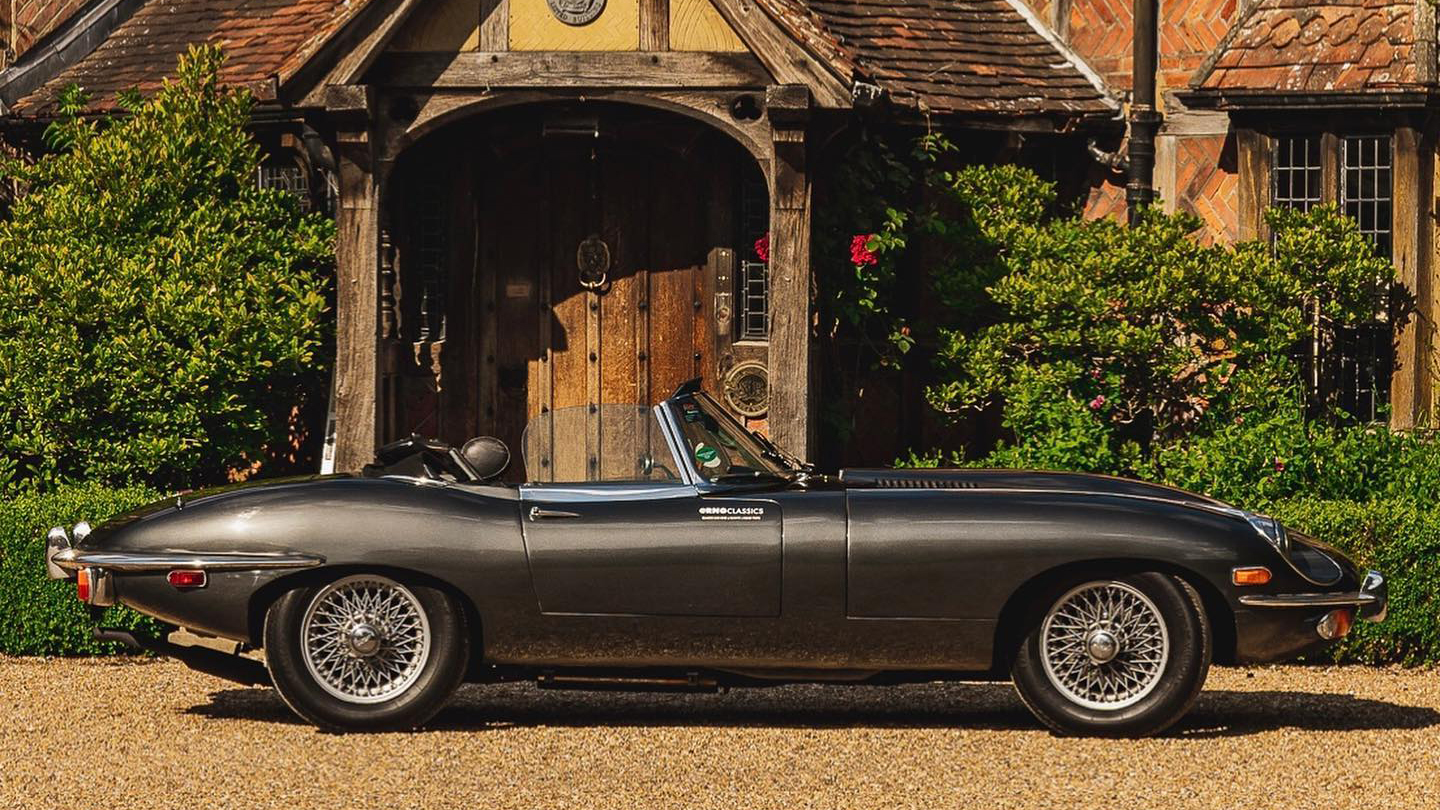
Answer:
(576, 12)
(747, 389)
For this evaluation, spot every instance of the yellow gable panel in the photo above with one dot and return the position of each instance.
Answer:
(695, 25)
(534, 27)
(441, 25)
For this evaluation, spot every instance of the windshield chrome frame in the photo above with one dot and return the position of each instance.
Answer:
(670, 424)
(669, 428)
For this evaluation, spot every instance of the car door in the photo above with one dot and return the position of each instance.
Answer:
(651, 549)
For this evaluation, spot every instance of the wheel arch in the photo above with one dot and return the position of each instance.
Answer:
(265, 597)
(1023, 606)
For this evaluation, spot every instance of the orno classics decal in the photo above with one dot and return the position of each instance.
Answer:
(576, 12)
(732, 512)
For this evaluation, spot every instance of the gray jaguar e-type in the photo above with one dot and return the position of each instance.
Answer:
(716, 561)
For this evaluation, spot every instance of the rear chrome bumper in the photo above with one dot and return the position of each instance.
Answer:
(1371, 601)
(154, 561)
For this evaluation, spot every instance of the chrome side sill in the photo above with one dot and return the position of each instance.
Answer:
(135, 561)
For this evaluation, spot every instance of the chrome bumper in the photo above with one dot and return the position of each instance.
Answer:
(1371, 601)
(64, 561)
(153, 561)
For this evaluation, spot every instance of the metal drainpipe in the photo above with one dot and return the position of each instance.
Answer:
(1144, 117)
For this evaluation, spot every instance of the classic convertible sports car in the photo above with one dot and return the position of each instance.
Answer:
(718, 562)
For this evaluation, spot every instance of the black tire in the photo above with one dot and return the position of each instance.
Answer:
(405, 701)
(1165, 685)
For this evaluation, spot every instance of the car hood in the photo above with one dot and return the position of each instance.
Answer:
(1022, 481)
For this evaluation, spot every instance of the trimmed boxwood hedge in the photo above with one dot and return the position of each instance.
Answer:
(40, 616)
(1402, 541)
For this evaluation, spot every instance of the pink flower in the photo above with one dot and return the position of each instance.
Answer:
(1097, 374)
(1097, 402)
(762, 247)
(859, 253)
(1279, 465)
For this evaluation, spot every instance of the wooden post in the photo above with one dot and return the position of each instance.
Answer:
(1410, 385)
(357, 272)
(1253, 150)
(792, 409)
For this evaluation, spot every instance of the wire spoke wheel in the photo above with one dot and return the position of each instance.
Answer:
(365, 639)
(1104, 645)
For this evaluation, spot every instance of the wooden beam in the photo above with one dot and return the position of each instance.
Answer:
(1253, 148)
(563, 69)
(783, 56)
(352, 68)
(792, 409)
(1411, 250)
(357, 273)
(654, 25)
(494, 25)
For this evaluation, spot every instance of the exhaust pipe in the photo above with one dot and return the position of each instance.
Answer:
(234, 668)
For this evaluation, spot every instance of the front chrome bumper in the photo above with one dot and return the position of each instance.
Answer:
(1371, 602)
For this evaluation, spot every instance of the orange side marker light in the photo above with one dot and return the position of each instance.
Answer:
(1250, 575)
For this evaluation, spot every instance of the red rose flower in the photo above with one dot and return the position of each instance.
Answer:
(762, 247)
(859, 253)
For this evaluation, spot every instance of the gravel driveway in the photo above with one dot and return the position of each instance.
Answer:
(124, 734)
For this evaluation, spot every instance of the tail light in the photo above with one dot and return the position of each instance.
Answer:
(187, 579)
(82, 585)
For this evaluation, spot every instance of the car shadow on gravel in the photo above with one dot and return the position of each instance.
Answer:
(1218, 713)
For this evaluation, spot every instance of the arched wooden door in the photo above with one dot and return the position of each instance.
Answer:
(596, 256)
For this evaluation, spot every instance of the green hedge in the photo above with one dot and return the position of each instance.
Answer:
(39, 616)
(1402, 541)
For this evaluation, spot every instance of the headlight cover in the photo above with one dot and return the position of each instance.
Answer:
(1309, 558)
(1312, 560)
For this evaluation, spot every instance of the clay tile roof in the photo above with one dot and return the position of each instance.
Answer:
(1317, 46)
(265, 42)
(989, 57)
(964, 56)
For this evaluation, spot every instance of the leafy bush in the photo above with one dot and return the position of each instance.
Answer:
(1101, 342)
(160, 315)
(1400, 539)
(40, 616)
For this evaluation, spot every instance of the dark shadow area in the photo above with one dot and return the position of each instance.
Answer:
(1219, 713)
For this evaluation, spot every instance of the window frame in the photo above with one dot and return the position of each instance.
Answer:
(1343, 379)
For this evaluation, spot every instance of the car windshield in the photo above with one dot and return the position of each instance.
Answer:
(719, 447)
(587, 443)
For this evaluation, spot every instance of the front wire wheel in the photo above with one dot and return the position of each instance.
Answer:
(1104, 645)
(366, 652)
(1122, 656)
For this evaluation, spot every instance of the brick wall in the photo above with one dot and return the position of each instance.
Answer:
(23, 22)
(1206, 183)
(1196, 172)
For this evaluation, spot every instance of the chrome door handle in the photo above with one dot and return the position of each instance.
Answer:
(536, 513)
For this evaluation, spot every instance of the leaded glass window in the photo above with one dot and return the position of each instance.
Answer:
(753, 279)
(1297, 172)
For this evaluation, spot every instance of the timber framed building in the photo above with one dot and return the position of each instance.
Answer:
(552, 204)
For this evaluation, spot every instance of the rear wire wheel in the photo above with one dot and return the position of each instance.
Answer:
(1123, 656)
(366, 652)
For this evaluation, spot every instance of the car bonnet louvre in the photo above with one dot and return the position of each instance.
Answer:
(924, 483)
